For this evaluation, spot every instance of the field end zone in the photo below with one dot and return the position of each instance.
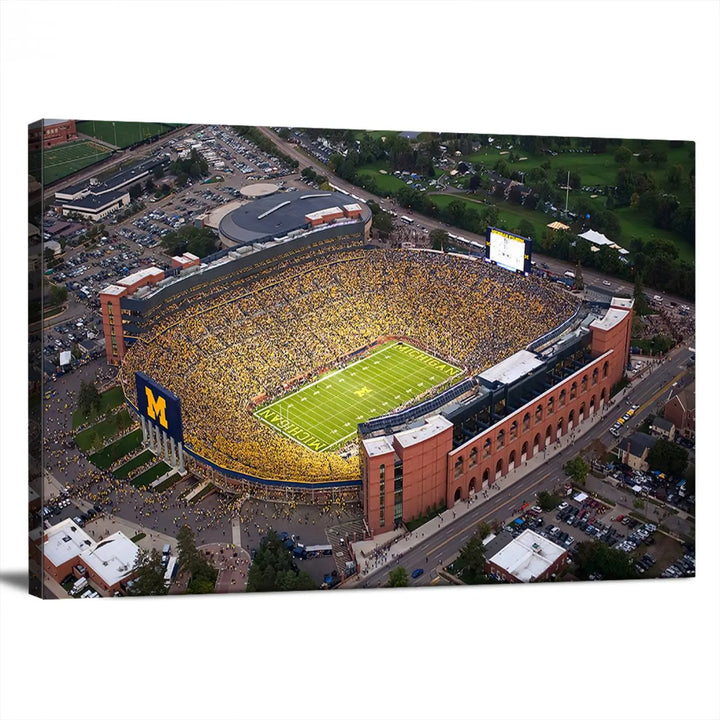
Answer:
(325, 413)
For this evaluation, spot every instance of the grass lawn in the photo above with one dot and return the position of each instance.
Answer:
(110, 453)
(121, 134)
(152, 473)
(325, 414)
(63, 160)
(109, 399)
(105, 429)
(386, 183)
(510, 215)
(167, 483)
(124, 470)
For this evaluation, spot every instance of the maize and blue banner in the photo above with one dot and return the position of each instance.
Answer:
(160, 406)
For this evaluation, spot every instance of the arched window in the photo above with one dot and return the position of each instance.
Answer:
(526, 422)
(562, 398)
(584, 384)
(551, 406)
(538, 414)
(459, 467)
(487, 448)
(514, 430)
(595, 376)
(606, 365)
(500, 443)
(573, 391)
(472, 460)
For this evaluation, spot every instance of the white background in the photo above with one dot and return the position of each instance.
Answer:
(597, 650)
(506, 251)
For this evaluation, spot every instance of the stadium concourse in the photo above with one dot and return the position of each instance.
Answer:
(229, 352)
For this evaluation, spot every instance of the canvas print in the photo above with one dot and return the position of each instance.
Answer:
(272, 359)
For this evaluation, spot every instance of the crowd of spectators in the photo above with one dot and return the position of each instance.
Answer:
(219, 358)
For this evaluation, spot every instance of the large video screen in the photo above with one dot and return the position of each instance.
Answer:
(508, 250)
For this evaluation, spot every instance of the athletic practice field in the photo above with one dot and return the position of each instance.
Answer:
(323, 415)
(121, 134)
(63, 160)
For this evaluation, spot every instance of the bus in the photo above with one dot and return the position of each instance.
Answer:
(407, 219)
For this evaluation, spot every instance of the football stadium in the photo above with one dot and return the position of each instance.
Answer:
(307, 360)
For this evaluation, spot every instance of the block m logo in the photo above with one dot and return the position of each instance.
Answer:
(156, 407)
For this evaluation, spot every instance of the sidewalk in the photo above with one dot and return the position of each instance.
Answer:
(380, 551)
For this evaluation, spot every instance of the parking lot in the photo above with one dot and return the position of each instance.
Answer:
(584, 519)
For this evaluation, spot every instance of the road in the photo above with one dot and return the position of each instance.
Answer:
(558, 267)
(440, 549)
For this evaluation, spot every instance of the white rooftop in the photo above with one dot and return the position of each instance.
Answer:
(611, 319)
(378, 446)
(512, 368)
(114, 290)
(65, 541)
(527, 556)
(433, 426)
(596, 238)
(112, 559)
(352, 207)
(140, 275)
(319, 214)
(625, 303)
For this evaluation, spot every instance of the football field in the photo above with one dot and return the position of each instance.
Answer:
(325, 414)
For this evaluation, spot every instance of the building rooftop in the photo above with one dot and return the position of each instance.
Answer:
(139, 275)
(65, 541)
(112, 559)
(95, 202)
(610, 320)
(276, 216)
(623, 303)
(378, 446)
(433, 426)
(528, 556)
(113, 290)
(512, 368)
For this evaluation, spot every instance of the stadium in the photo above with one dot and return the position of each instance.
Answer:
(309, 362)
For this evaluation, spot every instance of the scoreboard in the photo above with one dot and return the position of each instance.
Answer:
(513, 252)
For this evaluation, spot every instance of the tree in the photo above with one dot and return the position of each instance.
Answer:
(149, 185)
(202, 575)
(668, 457)
(438, 239)
(623, 155)
(474, 183)
(579, 279)
(89, 399)
(273, 569)
(149, 574)
(641, 305)
(135, 191)
(470, 563)
(158, 172)
(597, 557)
(199, 241)
(526, 228)
(577, 469)
(398, 577)
(58, 294)
(547, 501)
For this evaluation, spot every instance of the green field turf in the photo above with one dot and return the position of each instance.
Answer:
(325, 414)
(121, 134)
(63, 160)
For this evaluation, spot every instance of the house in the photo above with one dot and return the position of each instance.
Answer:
(635, 450)
(680, 410)
(663, 428)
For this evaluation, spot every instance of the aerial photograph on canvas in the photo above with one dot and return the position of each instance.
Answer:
(289, 358)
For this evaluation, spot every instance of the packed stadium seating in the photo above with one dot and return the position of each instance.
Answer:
(290, 320)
